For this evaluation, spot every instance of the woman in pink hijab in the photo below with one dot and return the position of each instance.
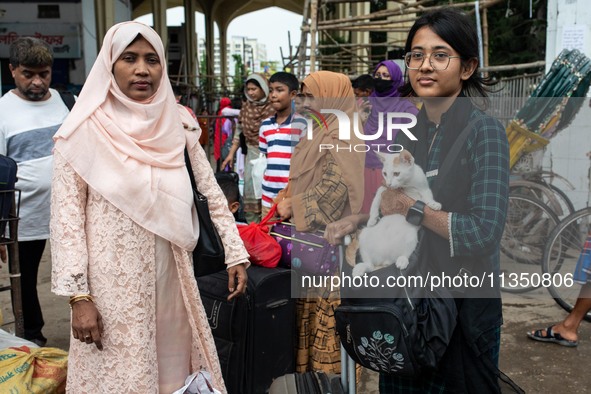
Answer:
(123, 226)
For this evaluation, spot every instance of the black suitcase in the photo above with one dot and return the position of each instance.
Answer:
(255, 335)
(307, 383)
(320, 382)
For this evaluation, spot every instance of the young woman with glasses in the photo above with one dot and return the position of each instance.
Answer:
(442, 69)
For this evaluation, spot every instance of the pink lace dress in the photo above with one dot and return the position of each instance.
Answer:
(155, 328)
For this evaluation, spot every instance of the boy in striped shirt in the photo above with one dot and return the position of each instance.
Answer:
(279, 134)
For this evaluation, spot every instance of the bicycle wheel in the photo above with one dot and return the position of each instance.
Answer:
(549, 194)
(528, 225)
(565, 202)
(561, 255)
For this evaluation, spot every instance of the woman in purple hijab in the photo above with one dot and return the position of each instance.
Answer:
(385, 98)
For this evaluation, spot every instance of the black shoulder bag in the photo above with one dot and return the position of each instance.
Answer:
(208, 256)
(68, 99)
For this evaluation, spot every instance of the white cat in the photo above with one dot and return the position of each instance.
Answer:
(391, 239)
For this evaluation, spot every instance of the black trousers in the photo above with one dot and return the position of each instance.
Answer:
(30, 253)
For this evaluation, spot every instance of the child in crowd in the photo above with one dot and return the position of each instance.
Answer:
(178, 96)
(204, 125)
(223, 129)
(228, 182)
(363, 87)
(279, 134)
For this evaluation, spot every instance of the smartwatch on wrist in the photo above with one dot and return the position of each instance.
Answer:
(415, 213)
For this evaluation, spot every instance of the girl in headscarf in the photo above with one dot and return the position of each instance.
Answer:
(123, 226)
(221, 129)
(254, 110)
(324, 184)
(385, 98)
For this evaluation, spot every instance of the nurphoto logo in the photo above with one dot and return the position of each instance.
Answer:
(394, 121)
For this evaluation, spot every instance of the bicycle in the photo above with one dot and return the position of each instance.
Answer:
(527, 229)
(539, 184)
(561, 255)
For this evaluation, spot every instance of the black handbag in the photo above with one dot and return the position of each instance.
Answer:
(208, 255)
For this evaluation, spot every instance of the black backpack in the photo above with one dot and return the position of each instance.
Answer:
(403, 334)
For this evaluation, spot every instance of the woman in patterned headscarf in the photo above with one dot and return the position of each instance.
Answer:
(254, 110)
(323, 186)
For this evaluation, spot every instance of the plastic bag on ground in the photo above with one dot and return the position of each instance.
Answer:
(10, 340)
(198, 383)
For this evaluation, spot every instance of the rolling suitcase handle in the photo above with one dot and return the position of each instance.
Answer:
(348, 375)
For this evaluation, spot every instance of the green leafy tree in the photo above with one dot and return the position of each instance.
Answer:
(238, 73)
(514, 37)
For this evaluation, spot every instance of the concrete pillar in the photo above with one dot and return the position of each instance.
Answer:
(190, 42)
(224, 56)
(159, 14)
(209, 51)
(105, 18)
(89, 35)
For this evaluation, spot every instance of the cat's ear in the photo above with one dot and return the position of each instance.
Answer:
(383, 157)
(406, 157)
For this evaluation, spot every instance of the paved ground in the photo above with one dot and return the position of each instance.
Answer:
(536, 367)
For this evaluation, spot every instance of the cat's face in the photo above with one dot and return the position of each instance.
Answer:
(397, 168)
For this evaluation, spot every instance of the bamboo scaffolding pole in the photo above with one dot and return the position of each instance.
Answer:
(347, 25)
(404, 10)
(313, 30)
(372, 22)
(387, 28)
(349, 52)
(302, 47)
(292, 58)
(378, 14)
(360, 1)
(485, 37)
(512, 67)
(360, 45)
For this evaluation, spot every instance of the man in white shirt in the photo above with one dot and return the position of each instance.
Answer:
(29, 117)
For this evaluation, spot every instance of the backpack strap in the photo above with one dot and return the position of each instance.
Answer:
(68, 99)
(445, 168)
(453, 154)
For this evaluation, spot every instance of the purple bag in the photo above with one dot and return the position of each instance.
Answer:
(308, 252)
